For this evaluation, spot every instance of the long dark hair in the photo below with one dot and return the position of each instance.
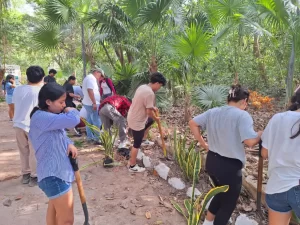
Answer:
(50, 91)
(237, 93)
(295, 105)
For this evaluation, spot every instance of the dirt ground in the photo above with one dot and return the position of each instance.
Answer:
(114, 196)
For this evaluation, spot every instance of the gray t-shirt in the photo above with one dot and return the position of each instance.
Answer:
(284, 152)
(227, 127)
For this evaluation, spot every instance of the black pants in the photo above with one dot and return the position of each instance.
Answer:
(139, 135)
(224, 171)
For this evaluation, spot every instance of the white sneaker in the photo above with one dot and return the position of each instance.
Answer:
(136, 169)
(124, 144)
(147, 142)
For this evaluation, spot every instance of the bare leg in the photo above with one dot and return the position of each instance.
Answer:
(210, 216)
(51, 214)
(64, 208)
(133, 155)
(11, 111)
(277, 218)
(146, 133)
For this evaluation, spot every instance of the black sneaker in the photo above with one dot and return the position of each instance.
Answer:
(32, 182)
(26, 178)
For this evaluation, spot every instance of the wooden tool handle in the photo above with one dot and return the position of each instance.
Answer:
(80, 187)
(161, 135)
(259, 178)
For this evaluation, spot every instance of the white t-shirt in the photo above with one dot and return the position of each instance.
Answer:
(25, 98)
(90, 82)
(83, 113)
(105, 88)
(284, 153)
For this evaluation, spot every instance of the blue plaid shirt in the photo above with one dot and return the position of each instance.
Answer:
(50, 143)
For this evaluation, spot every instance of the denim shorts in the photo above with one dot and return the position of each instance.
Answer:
(54, 187)
(8, 99)
(286, 201)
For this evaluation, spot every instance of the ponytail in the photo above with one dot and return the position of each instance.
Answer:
(33, 111)
(295, 105)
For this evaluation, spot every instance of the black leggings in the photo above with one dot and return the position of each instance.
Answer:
(224, 171)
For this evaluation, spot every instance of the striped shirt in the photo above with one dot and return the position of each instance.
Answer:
(50, 143)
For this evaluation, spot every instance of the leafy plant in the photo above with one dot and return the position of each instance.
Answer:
(210, 96)
(193, 207)
(107, 139)
(185, 156)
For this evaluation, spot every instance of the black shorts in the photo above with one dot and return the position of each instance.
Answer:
(139, 135)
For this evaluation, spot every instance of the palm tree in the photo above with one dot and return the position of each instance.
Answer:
(284, 16)
(188, 49)
(62, 16)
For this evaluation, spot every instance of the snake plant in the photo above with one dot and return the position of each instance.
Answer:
(194, 209)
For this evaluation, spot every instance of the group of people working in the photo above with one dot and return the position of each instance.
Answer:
(44, 111)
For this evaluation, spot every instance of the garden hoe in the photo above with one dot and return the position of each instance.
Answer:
(74, 164)
(259, 181)
(162, 138)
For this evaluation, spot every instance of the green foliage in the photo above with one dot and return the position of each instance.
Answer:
(193, 207)
(192, 44)
(46, 37)
(59, 12)
(210, 96)
(108, 139)
(185, 155)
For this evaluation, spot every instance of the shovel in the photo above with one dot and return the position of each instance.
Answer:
(259, 181)
(162, 137)
(74, 164)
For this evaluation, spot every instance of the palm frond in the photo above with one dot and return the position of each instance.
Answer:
(46, 37)
(222, 12)
(274, 12)
(59, 12)
(154, 11)
(132, 7)
(192, 44)
(209, 96)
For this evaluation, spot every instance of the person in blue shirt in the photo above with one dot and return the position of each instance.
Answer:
(9, 91)
(52, 148)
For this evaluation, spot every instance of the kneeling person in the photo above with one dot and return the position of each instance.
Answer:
(114, 109)
(142, 113)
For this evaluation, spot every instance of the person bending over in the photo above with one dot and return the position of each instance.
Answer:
(114, 109)
(228, 129)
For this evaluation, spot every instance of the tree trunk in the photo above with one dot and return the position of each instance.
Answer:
(257, 55)
(290, 76)
(187, 105)
(129, 57)
(108, 56)
(119, 53)
(153, 65)
(83, 50)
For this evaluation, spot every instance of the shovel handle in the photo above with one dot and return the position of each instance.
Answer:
(74, 163)
(161, 135)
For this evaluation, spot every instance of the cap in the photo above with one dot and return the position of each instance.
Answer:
(97, 70)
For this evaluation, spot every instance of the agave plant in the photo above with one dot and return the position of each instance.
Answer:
(193, 207)
(185, 156)
(210, 96)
